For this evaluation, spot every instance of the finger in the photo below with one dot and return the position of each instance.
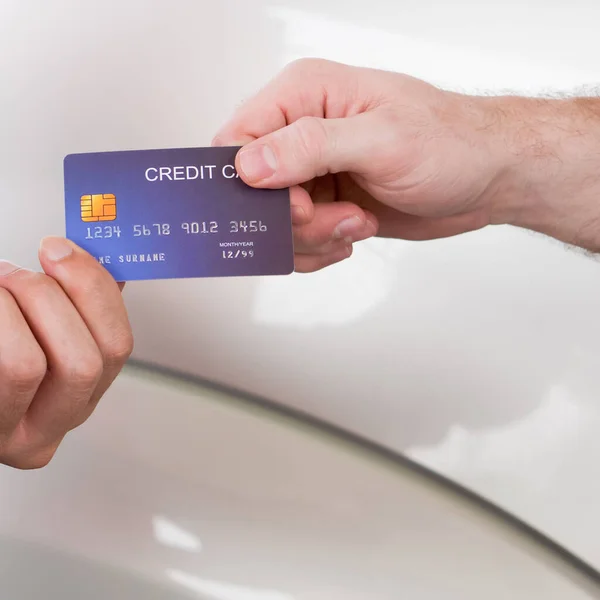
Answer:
(74, 361)
(302, 207)
(97, 298)
(334, 222)
(328, 248)
(22, 365)
(308, 148)
(307, 263)
(284, 101)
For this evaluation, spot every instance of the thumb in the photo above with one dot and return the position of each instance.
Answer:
(308, 148)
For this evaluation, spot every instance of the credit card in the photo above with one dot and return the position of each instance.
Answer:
(175, 213)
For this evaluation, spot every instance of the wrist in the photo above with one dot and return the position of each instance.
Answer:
(548, 156)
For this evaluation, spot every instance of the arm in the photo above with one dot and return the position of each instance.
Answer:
(551, 181)
(385, 154)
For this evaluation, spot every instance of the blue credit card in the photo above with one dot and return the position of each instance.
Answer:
(175, 213)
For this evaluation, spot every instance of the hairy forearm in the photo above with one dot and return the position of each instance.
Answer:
(550, 180)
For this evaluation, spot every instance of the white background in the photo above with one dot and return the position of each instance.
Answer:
(476, 356)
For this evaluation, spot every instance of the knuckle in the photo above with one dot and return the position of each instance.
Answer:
(24, 371)
(118, 351)
(84, 369)
(307, 65)
(217, 140)
(81, 418)
(310, 137)
(297, 65)
(29, 460)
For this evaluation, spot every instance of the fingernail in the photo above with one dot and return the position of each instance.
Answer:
(258, 162)
(349, 227)
(6, 268)
(298, 214)
(371, 227)
(55, 248)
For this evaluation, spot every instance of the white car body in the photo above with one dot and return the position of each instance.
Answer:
(475, 357)
(218, 498)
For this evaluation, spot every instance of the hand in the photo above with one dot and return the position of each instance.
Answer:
(369, 152)
(64, 338)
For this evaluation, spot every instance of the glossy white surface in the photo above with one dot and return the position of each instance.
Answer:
(196, 495)
(476, 356)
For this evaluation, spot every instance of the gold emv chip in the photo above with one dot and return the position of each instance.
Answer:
(98, 207)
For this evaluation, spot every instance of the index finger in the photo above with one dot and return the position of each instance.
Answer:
(303, 89)
(91, 289)
(97, 298)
